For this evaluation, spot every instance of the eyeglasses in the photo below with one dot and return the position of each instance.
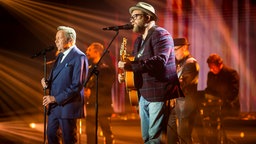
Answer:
(134, 17)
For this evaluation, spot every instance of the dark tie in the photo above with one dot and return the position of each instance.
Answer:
(59, 58)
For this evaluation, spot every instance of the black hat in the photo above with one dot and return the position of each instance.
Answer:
(180, 41)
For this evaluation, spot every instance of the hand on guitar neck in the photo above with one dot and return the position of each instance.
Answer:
(128, 77)
(121, 77)
(123, 66)
(126, 74)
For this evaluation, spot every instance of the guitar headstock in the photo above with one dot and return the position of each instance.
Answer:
(123, 53)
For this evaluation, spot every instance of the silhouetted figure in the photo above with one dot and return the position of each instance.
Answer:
(106, 78)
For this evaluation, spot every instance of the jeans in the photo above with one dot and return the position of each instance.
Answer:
(153, 121)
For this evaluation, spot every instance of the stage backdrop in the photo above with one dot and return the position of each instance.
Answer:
(211, 26)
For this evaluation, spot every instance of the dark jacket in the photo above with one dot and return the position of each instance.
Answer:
(188, 72)
(154, 66)
(106, 79)
(225, 86)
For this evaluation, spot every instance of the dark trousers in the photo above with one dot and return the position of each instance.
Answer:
(103, 122)
(66, 127)
(185, 127)
(172, 135)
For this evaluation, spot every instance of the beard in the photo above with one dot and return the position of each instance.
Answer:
(139, 28)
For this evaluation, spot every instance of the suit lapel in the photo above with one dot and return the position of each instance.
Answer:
(142, 44)
(60, 66)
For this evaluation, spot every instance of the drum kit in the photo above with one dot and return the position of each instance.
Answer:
(212, 120)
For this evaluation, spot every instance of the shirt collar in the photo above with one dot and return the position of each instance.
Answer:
(65, 53)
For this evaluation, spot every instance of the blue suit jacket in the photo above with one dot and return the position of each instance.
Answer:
(66, 85)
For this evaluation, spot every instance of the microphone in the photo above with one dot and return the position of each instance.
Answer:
(122, 27)
(43, 52)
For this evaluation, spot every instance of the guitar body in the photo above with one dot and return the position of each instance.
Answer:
(130, 87)
(129, 80)
(129, 77)
(133, 97)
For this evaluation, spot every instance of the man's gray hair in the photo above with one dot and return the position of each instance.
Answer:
(70, 33)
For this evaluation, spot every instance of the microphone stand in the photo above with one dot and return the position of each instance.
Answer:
(45, 110)
(96, 72)
(43, 52)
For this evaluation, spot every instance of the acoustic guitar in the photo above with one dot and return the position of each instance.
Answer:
(129, 76)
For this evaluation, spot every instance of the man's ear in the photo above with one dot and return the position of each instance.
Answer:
(70, 42)
(148, 18)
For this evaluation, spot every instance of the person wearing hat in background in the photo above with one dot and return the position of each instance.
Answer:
(186, 108)
(155, 72)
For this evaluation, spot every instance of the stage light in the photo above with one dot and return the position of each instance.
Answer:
(242, 135)
(32, 125)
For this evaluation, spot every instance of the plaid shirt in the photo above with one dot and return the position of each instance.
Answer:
(154, 66)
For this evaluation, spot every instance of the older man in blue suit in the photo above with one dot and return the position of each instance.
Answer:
(65, 83)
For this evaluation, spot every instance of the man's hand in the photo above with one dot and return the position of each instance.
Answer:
(127, 65)
(48, 99)
(44, 83)
(121, 64)
(121, 77)
(87, 92)
(172, 103)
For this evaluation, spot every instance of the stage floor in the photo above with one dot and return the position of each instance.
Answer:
(126, 128)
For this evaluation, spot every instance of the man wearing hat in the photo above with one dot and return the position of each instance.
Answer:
(186, 107)
(155, 72)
